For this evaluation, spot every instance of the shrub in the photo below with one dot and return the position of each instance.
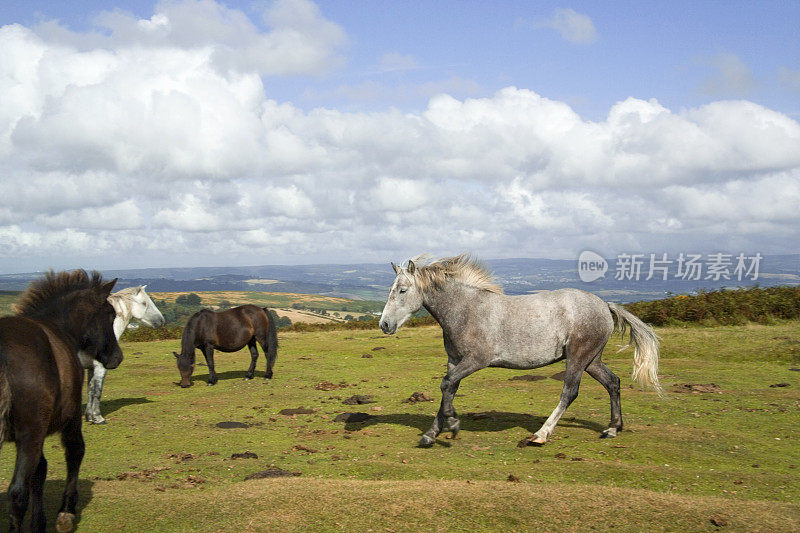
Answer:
(722, 307)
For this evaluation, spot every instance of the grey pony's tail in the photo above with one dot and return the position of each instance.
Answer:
(645, 341)
(272, 337)
(5, 400)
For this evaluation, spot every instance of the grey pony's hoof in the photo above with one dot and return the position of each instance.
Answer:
(453, 425)
(65, 522)
(248, 378)
(95, 419)
(426, 441)
(610, 433)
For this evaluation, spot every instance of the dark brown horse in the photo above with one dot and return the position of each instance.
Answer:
(227, 331)
(41, 378)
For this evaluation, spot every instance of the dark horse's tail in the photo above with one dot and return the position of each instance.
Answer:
(5, 399)
(272, 337)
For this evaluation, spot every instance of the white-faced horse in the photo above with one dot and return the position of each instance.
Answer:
(128, 304)
(485, 328)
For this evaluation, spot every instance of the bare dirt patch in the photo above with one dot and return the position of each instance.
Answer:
(418, 397)
(358, 399)
(527, 377)
(297, 411)
(271, 472)
(697, 388)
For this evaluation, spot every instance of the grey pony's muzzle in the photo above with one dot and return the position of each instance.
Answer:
(386, 328)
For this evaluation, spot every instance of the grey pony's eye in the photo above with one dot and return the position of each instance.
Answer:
(403, 291)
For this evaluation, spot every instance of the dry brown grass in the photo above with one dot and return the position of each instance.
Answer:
(300, 504)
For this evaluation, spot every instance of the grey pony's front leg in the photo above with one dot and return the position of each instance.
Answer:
(446, 417)
(96, 376)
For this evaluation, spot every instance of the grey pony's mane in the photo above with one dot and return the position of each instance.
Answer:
(462, 268)
(123, 296)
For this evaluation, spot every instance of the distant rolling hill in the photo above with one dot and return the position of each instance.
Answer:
(371, 281)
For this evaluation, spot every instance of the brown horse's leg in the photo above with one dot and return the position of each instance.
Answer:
(264, 342)
(38, 521)
(208, 352)
(253, 358)
(74, 448)
(29, 453)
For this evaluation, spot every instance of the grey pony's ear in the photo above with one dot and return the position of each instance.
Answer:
(411, 267)
(396, 268)
(141, 288)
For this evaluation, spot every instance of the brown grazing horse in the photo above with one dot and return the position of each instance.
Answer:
(41, 378)
(227, 331)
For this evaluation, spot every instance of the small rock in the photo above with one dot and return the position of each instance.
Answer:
(561, 455)
(779, 385)
(559, 376)
(512, 478)
(375, 349)
(303, 448)
(367, 356)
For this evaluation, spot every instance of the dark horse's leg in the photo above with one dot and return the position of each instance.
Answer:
(74, 448)
(253, 358)
(446, 417)
(599, 371)
(38, 521)
(26, 469)
(208, 352)
(264, 342)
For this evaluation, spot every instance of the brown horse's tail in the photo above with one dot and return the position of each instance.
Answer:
(5, 399)
(272, 337)
(645, 351)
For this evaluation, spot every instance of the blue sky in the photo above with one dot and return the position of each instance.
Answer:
(664, 50)
(294, 132)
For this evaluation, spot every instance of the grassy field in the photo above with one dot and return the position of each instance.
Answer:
(729, 455)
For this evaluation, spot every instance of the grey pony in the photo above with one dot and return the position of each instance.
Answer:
(483, 327)
(130, 303)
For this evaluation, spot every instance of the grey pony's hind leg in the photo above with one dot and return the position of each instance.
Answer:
(96, 375)
(446, 417)
(599, 371)
(253, 358)
(578, 359)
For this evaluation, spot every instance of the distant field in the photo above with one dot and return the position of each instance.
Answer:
(336, 308)
(722, 444)
(7, 299)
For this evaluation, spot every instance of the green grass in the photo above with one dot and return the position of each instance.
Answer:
(679, 461)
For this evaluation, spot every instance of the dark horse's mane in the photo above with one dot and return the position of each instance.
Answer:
(46, 298)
